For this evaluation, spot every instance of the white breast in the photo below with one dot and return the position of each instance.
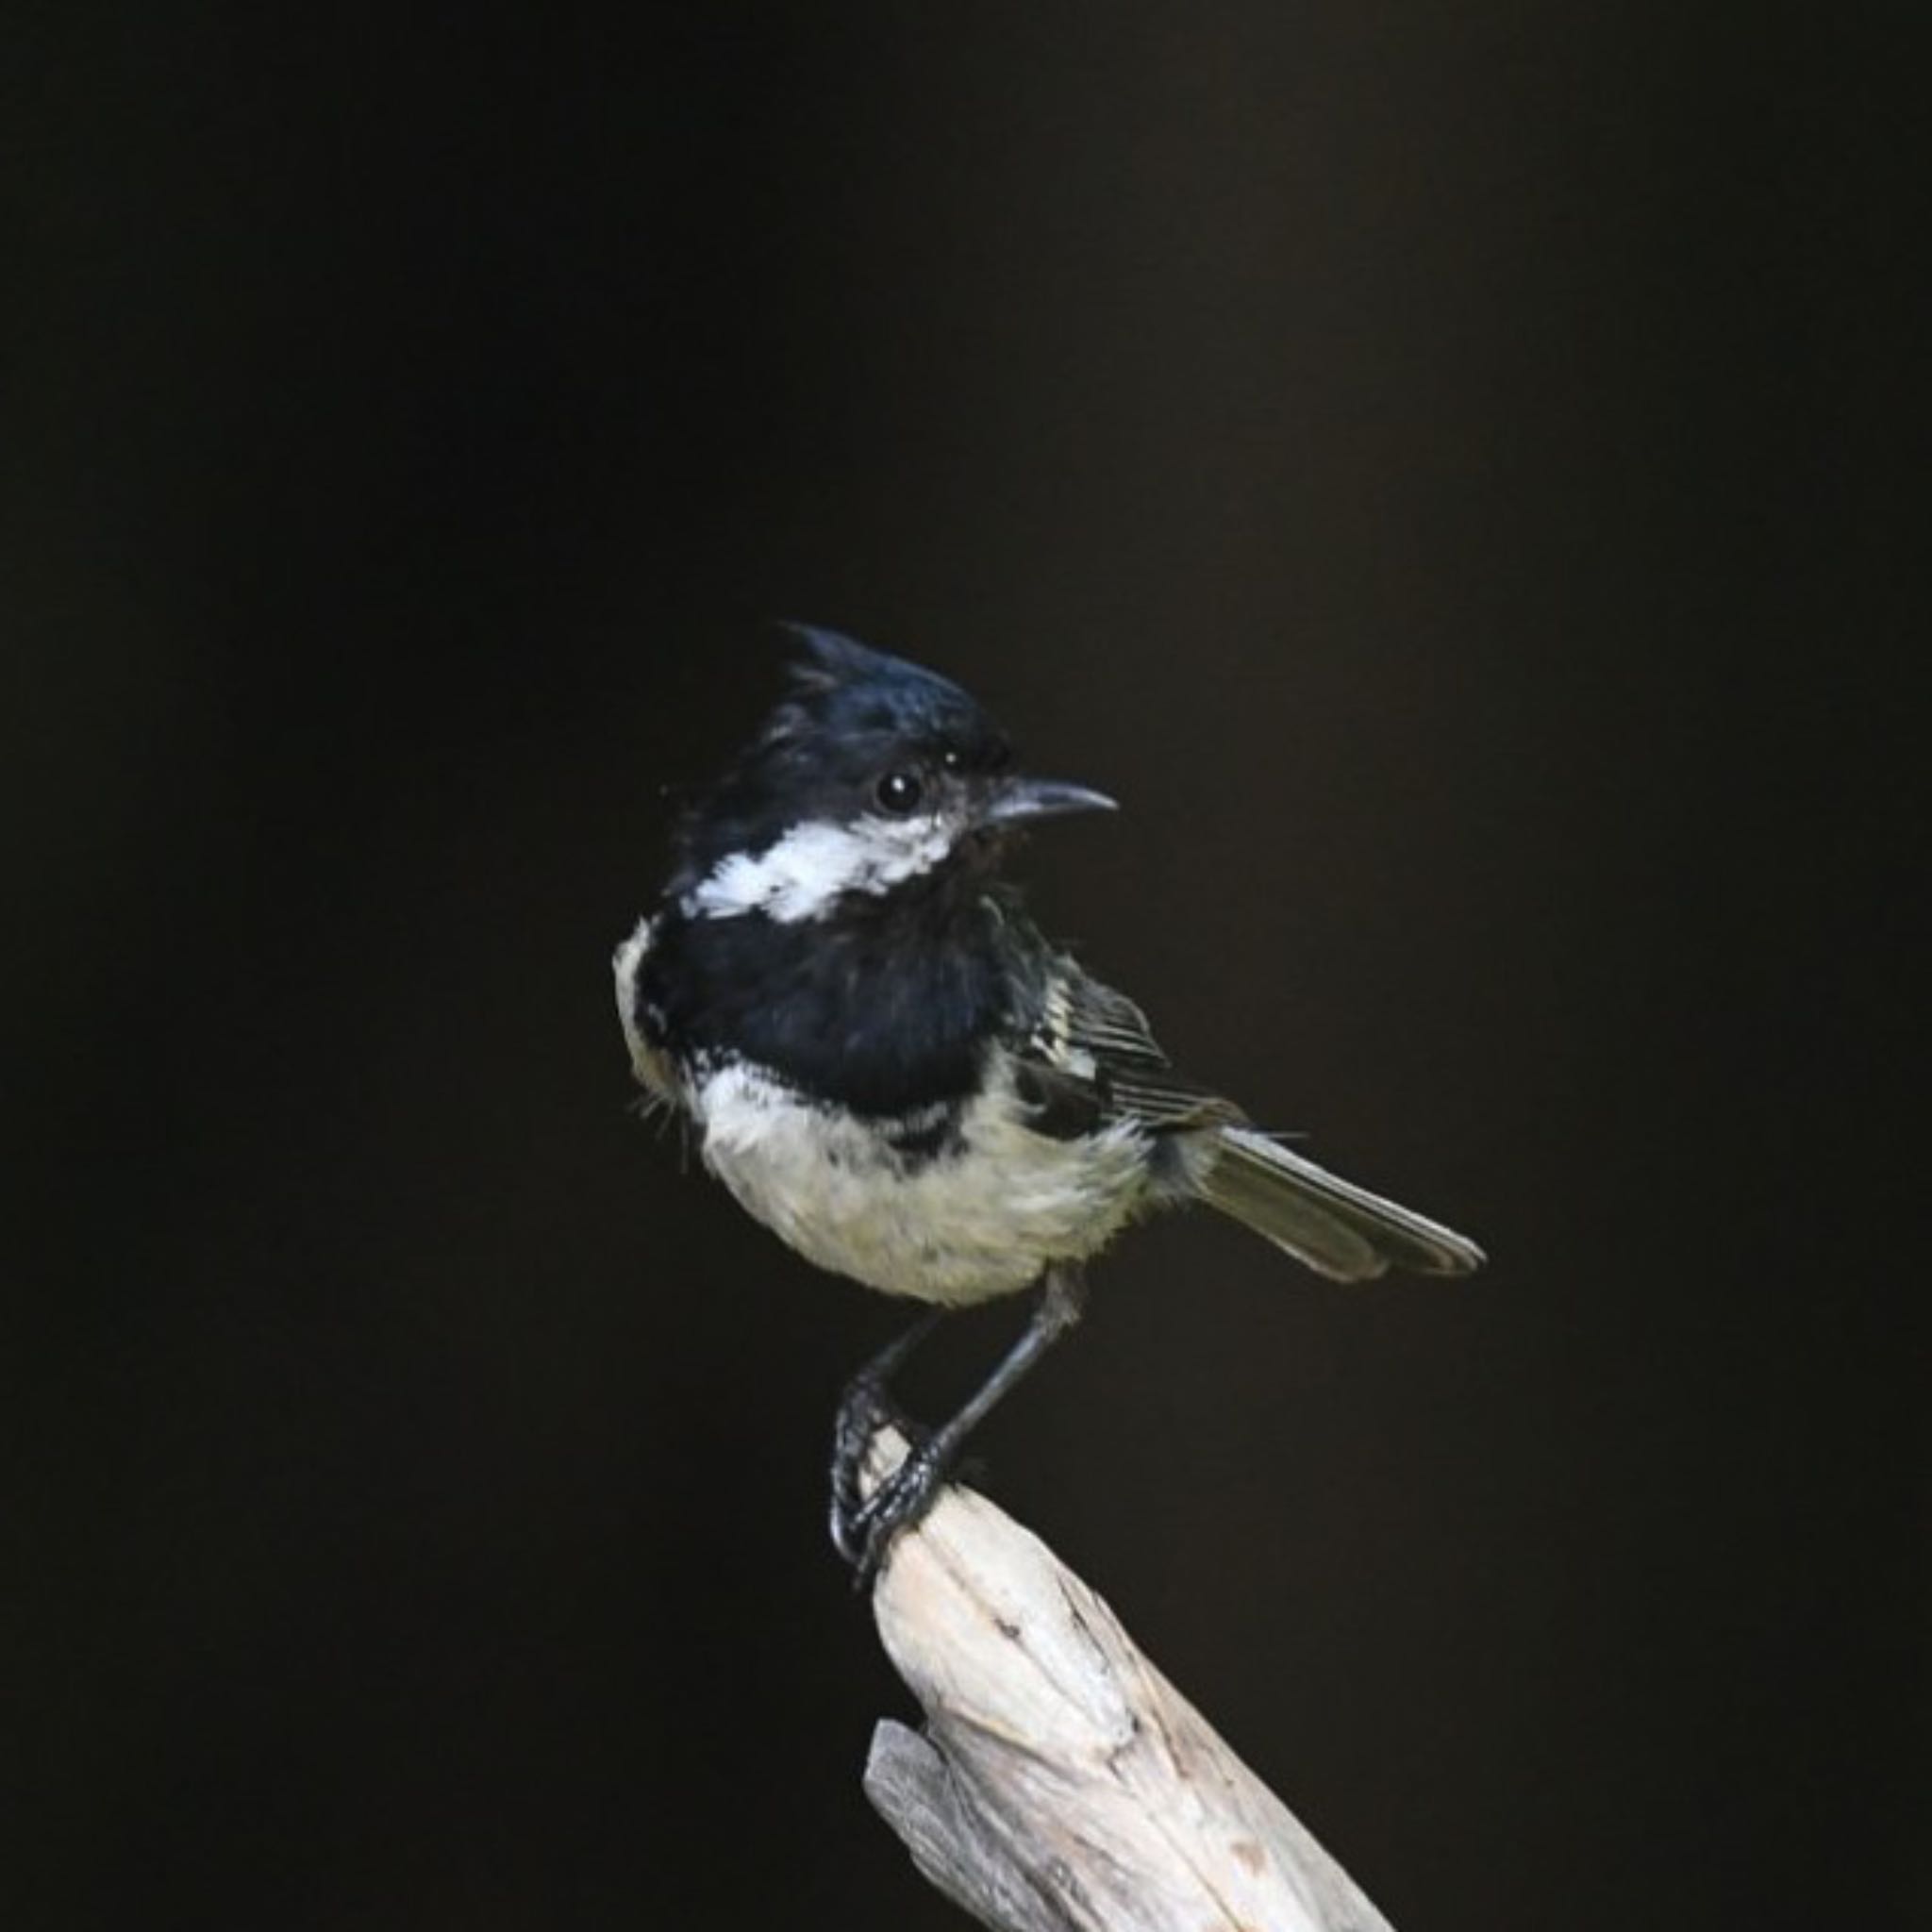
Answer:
(981, 1220)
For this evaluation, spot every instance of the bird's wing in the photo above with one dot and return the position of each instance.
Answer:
(1091, 1059)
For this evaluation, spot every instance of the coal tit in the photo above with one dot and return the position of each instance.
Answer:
(888, 1065)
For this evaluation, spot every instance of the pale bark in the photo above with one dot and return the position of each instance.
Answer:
(1060, 1781)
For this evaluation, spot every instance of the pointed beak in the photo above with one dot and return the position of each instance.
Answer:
(1013, 801)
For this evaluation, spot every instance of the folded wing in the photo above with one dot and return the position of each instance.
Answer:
(1092, 1059)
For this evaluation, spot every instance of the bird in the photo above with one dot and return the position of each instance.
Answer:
(885, 1060)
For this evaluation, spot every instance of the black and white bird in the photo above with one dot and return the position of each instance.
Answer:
(888, 1065)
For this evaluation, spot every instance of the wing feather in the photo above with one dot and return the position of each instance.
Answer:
(1091, 1060)
(1092, 1044)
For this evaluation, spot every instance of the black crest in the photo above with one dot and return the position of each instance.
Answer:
(829, 659)
(852, 712)
(841, 686)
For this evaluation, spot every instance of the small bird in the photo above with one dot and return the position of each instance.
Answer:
(888, 1065)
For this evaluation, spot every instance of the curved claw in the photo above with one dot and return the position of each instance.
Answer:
(863, 1527)
(864, 1409)
(863, 1534)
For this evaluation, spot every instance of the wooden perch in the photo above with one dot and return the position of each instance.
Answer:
(1061, 1782)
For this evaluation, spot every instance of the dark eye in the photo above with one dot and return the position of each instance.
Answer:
(899, 790)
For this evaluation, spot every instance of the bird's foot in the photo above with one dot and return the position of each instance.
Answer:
(862, 1524)
(865, 1409)
(864, 1528)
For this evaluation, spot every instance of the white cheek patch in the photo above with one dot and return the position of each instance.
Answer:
(813, 866)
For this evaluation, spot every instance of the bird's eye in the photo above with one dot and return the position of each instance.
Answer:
(899, 790)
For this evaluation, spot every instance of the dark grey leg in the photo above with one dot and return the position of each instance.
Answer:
(863, 1531)
(864, 1409)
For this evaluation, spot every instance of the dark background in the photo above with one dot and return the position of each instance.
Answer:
(1439, 471)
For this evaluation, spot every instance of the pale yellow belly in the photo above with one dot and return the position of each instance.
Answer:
(985, 1218)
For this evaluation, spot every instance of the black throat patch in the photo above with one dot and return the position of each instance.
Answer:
(886, 1008)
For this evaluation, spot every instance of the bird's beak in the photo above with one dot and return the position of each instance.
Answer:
(1011, 801)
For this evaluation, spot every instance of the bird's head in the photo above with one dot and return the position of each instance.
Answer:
(871, 775)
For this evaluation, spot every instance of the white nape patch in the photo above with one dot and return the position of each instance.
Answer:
(814, 865)
(982, 1218)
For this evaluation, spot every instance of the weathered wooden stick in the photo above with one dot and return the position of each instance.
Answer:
(1061, 1782)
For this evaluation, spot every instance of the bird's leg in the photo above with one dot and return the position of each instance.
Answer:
(864, 1409)
(864, 1533)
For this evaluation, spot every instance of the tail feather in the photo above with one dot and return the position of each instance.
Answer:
(1336, 1229)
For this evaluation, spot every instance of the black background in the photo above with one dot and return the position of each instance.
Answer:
(1438, 469)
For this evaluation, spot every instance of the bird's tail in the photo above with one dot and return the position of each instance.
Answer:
(1336, 1229)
